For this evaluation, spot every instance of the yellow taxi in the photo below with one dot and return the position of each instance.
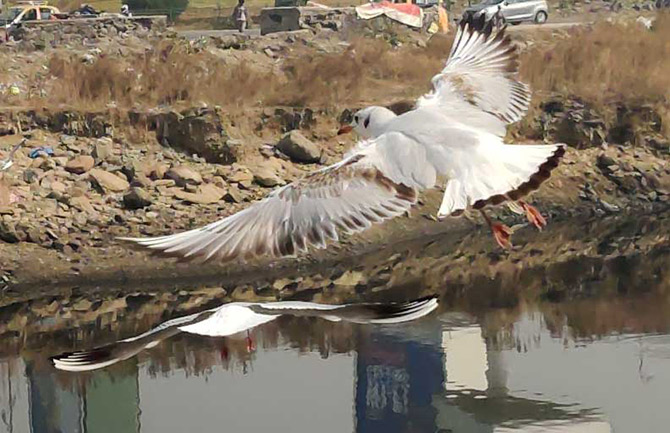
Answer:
(31, 11)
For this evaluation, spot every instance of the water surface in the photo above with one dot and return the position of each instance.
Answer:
(568, 333)
(543, 367)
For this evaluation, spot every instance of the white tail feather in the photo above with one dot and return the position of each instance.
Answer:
(493, 172)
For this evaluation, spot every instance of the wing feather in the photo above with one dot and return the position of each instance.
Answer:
(378, 182)
(357, 313)
(479, 81)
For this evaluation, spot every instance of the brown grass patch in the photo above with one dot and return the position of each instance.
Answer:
(174, 73)
(169, 75)
(604, 64)
(367, 70)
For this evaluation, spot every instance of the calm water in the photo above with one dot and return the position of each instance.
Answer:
(571, 333)
(534, 368)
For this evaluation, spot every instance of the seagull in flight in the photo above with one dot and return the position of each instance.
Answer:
(236, 317)
(453, 138)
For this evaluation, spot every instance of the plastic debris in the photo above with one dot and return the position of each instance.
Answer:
(42, 150)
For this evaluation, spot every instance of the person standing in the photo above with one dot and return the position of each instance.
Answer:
(241, 16)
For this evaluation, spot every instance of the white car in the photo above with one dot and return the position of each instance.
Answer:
(512, 11)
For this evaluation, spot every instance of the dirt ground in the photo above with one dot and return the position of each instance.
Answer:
(63, 211)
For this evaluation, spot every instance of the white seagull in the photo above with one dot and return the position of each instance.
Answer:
(236, 317)
(453, 137)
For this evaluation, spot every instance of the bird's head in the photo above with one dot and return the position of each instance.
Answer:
(368, 122)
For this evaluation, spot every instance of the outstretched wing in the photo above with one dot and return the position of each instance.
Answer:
(110, 354)
(232, 318)
(379, 181)
(478, 82)
(373, 313)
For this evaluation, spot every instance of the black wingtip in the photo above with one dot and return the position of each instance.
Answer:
(480, 24)
(75, 361)
(396, 309)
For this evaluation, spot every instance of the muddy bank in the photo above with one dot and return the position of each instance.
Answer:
(158, 160)
(605, 264)
(574, 256)
(68, 196)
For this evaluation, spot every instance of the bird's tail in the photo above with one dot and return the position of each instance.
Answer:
(497, 174)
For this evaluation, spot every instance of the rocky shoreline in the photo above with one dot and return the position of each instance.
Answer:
(89, 174)
(68, 196)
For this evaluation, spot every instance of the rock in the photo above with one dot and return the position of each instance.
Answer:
(266, 176)
(294, 145)
(184, 175)
(233, 195)
(102, 149)
(30, 175)
(108, 182)
(157, 171)
(198, 131)
(349, 279)
(652, 180)
(136, 198)
(8, 232)
(605, 161)
(5, 194)
(80, 164)
(627, 183)
(82, 204)
(206, 194)
(142, 181)
(168, 183)
(58, 187)
(608, 207)
(242, 175)
(82, 305)
(37, 236)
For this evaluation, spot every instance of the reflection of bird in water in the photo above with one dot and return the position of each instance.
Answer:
(236, 317)
(455, 132)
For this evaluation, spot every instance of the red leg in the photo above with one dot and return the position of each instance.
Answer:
(534, 216)
(251, 347)
(501, 233)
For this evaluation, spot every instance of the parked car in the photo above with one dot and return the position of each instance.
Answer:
(513, 11)
(31, 11)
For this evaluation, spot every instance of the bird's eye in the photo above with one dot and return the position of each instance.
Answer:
(356, 118)
(367, 122)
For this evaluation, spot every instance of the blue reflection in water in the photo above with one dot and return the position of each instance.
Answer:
(423, 377)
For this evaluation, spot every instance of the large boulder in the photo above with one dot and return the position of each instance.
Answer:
(80, 164)
(294, 145)
(183, 175)
(136, 198)
(196, 131)
(108, 182)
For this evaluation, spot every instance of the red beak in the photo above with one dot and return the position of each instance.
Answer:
(344, 129)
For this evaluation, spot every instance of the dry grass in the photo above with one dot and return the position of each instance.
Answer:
(169, 75)
(604, 64)
(361, 72)
(174, 74)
